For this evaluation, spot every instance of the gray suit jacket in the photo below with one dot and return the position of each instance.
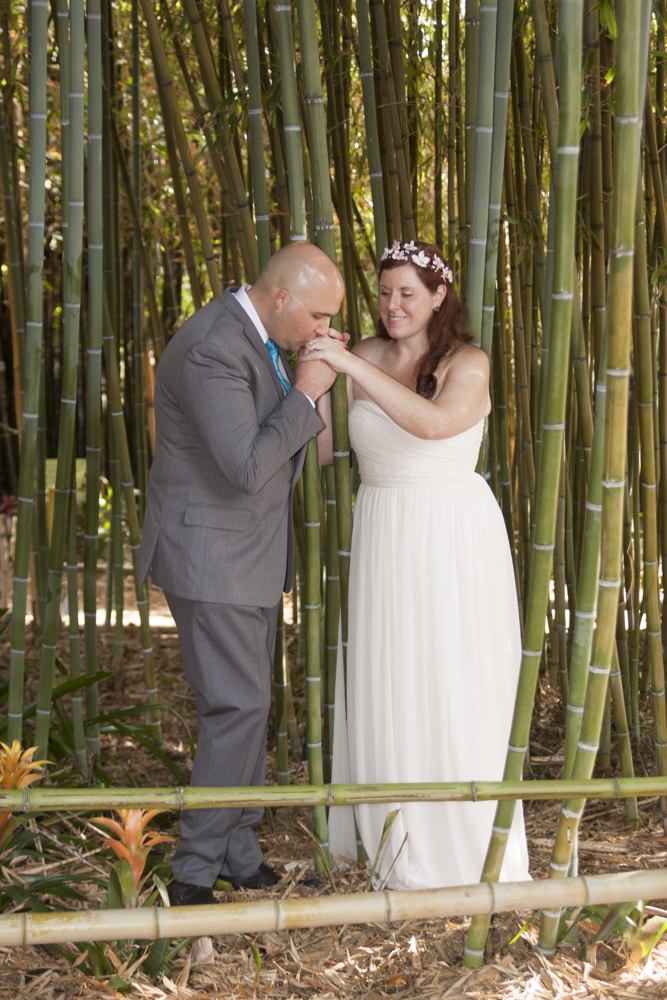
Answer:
(230, 446)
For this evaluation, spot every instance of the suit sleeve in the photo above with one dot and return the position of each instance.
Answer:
(216, 396)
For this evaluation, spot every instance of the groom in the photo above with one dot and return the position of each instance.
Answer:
(231, 428)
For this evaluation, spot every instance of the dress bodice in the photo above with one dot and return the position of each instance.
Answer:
(390, 456)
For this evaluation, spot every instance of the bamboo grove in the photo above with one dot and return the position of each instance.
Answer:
(152, 154)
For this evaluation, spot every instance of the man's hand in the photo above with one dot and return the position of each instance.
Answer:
(314, 378)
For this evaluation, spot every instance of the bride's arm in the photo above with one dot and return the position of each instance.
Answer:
(325, 436)
(461, 403)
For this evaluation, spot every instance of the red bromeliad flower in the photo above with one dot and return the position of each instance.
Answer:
(16, 771)
(133, 843)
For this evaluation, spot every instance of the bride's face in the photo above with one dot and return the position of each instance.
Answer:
(404, 302)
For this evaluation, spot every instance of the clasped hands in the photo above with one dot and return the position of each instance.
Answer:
(319, 362)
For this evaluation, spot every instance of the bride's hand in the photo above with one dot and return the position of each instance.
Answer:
(328, 349)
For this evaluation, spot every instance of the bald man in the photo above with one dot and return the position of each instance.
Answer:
(231, 428)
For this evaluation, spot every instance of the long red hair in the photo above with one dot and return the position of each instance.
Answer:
(446, 330)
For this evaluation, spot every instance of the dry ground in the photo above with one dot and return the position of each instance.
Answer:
(416, 959)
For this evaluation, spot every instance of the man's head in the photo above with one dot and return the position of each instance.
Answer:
(297, 294)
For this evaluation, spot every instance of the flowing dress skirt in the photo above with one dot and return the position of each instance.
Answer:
(433, 659)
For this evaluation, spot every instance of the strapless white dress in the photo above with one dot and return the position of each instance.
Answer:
(434, 651)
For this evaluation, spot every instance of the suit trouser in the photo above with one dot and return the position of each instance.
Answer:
(227, 653)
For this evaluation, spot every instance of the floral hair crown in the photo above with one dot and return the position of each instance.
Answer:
(409, 253)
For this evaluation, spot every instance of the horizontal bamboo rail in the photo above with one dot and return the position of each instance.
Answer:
(51, 799)
(326, 911)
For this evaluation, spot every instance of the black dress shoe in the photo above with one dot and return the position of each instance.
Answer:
(262, 878)
(187, 894)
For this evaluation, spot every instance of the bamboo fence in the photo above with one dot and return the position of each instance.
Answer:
(324, 911)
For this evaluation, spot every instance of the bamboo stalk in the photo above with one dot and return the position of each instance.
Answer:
(619, 315)
(127, 484)
(156, 325)
(323, 911)
(50, 798)
(245, 232)
(32, 360)
(570, 29)
(255, 132)
(68, 401)
(164, 80)
(95, 230)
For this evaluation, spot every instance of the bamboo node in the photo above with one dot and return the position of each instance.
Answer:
(26, 800)
(181, 799)
(597, 507)
(543, 546)
(569, 814)
(531, 652)
(603, 671)
(559, 868)
(475, 952)
(473, 791)
(516, 749)
(584, 614)
(502, 830)
(587, 747)
(619, 372)
(553, 427)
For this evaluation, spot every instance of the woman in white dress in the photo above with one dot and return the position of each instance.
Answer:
(434, 646)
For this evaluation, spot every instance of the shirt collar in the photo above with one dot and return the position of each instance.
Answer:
(243, 299)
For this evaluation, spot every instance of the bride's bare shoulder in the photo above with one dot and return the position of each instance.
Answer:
(370, 348)
(467, 359)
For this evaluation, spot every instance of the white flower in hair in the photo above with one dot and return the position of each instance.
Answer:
(411, 247)
(421, 259)
(439, 265)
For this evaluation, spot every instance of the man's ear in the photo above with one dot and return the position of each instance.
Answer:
(281, 299)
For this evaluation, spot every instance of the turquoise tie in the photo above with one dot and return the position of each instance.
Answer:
(273, 351)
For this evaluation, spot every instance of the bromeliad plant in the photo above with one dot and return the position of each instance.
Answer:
(17, 770)
(132, 847)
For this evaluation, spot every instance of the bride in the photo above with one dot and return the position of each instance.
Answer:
(434, 646)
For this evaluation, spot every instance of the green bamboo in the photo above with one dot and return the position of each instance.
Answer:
(149, 286)
(496, 165)
(140, 450)
(280, 685)
(644, 393)
(68, 401)
(127, 485)
(255, 132)
(74, 638)
(471, 42)
(51, 798)
(164, 80)
(484, 135)
(619, 315)
(332, 620)
(570, 28)
(390, 98)
(32, 359)
(292, 124)
(94, 228)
